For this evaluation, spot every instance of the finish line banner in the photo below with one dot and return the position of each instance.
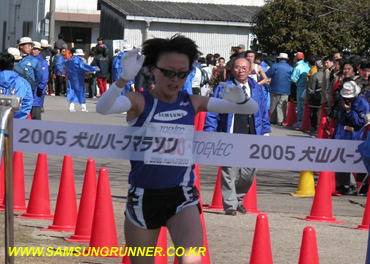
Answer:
(169, 144)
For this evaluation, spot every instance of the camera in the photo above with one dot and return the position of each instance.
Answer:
(347, 102)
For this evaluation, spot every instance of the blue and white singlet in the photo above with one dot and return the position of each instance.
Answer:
(161, 176)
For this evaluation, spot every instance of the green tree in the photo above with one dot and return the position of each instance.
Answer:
(313, 26)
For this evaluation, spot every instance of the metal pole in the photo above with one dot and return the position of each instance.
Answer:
(8, 103)
(52, 23)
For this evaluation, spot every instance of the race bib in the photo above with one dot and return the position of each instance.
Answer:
(172, 144)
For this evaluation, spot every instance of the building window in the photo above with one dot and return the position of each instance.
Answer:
(27, 29)
(4, 35)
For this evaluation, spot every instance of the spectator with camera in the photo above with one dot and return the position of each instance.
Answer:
(350, 126)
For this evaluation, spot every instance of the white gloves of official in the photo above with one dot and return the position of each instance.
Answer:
(131, 64)
(233, 93)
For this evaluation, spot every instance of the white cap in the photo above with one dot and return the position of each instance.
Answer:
(44, 43)
(25, 40)
(15, 52)
(79, 52)
(350, 89)
(37, 45)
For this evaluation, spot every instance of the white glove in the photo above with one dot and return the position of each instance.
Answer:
(131, 64)
(233, 93)
(367, 119)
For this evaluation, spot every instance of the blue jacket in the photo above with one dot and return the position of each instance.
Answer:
(10, 80)
(116, 66)
(188, 83)
(354, 119)
(33, 68)
(300, 72)
(280, 74)
(39, 101)
(222, 122)
(76, 91)
(59, 65)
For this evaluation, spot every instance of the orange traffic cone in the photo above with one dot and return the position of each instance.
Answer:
(291, 118)
(87, 204)
(66, 208)
(250, 199)
(261, 248)
(321, 210)
(19, 195)
(217, 196)
(320, 130)
(162, 243)
(200, 119)
(39, 202)
(323, 112)
(103, 232)
(366, 217)
(306, 122)
(309, 253)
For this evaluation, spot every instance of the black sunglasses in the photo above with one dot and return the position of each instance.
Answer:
(171, 74)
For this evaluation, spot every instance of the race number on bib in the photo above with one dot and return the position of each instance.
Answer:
(173, 144)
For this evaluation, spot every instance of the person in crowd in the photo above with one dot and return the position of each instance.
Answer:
(210, 61)
(46, 50)
(311, 60)
(76, 92)
(219, 71)
(363, 81)
(12, 83)
(314, 93)
(349, 74)
(205, 88)
(299, 77)
(101, 60)
(117, 68)
(235, 181)
(272, 58)
(51, 83)
(92, 79)
(60, 42)
(101, 43)
(168, 193)
(29, 65)
(350, 126)
(262, 60)
(241, 50)
(280, 74)
(328, 63)
(216, 58)
(234, 54)
(257, 73)
(60, 73)
(39, 93)
(195, 84)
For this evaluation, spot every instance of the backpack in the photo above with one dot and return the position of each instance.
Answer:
(23, 74)
(204, 79)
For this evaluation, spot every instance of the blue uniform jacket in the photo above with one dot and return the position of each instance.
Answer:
(300, 72)
(33, 68)
(187, 85)
(10, 80)
(39, 101)
(222, 122)
(76, 91)
(116, 66)
(59, 65)
(280, 74)
(355, 119)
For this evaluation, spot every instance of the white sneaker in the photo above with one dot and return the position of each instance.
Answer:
(84, 110)
(72, 110)
(298, 124)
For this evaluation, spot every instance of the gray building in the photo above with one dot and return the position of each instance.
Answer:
(214, 27)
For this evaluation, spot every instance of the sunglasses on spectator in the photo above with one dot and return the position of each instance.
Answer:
(171, 74)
